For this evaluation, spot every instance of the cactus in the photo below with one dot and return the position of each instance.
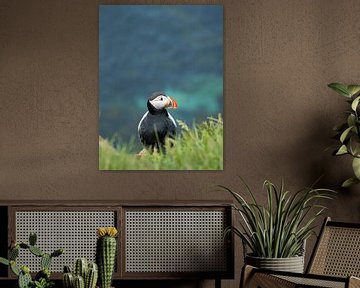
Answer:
(24, 245)
(32, 238)
(80, 268)
(105, 254)
(13, 253)
(90, 272)
(45, 261)
(79, 282)
(36, 251)
(68, 280)
(24, 278)
(91, 276)
(67, 269)
(44, 273)
(57, 253)
(14, 268)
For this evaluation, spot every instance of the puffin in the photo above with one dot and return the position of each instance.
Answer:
(157, 124)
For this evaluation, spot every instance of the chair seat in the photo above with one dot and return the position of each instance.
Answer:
(315, 282)
(268, 279)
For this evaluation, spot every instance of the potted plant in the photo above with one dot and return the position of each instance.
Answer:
(276, 233)
(348, 132)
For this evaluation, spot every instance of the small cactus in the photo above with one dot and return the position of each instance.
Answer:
(24, 277)
(81, 267)
(91, 276)
(68, 280)
(79, 282)
(106, 254)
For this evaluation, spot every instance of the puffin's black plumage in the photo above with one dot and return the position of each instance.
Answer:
(157, 123)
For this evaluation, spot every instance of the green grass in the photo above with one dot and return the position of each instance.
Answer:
(197, 148)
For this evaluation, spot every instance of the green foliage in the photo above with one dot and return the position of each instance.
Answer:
(197, 148)
(279, 229)
(348, 132)
(43, 283)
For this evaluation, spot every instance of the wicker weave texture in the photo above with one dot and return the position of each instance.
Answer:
(313, 282)
(75, 231)
(338, 252)
(175, 241)
(268, 281)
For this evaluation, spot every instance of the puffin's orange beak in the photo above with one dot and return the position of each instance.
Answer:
(172, 103)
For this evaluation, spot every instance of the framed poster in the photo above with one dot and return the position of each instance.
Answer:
(161, 87)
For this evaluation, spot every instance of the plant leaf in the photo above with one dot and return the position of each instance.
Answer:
(340, 88)
(353, 89)
(354, 145)
(349, 182)
(342, 150)
(355, 103)
(351, 120)
(345, 134)
(356, 167)
(4, 261)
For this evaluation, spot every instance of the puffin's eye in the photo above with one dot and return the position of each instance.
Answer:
(161, 98)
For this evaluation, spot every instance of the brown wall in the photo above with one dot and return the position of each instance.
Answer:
(279, 57)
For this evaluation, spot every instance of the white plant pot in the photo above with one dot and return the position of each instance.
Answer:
(291, 264)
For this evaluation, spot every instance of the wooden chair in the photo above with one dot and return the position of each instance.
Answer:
(335, 262)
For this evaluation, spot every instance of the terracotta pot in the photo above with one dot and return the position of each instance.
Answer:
(291, 264)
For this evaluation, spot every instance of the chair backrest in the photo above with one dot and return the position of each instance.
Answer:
(337, 251)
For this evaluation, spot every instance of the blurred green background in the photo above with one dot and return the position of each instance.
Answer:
(147, 48)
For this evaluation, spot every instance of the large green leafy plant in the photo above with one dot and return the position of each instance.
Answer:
(348, 132)
(279, 229)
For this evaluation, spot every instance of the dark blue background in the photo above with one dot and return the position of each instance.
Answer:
(146, 48)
